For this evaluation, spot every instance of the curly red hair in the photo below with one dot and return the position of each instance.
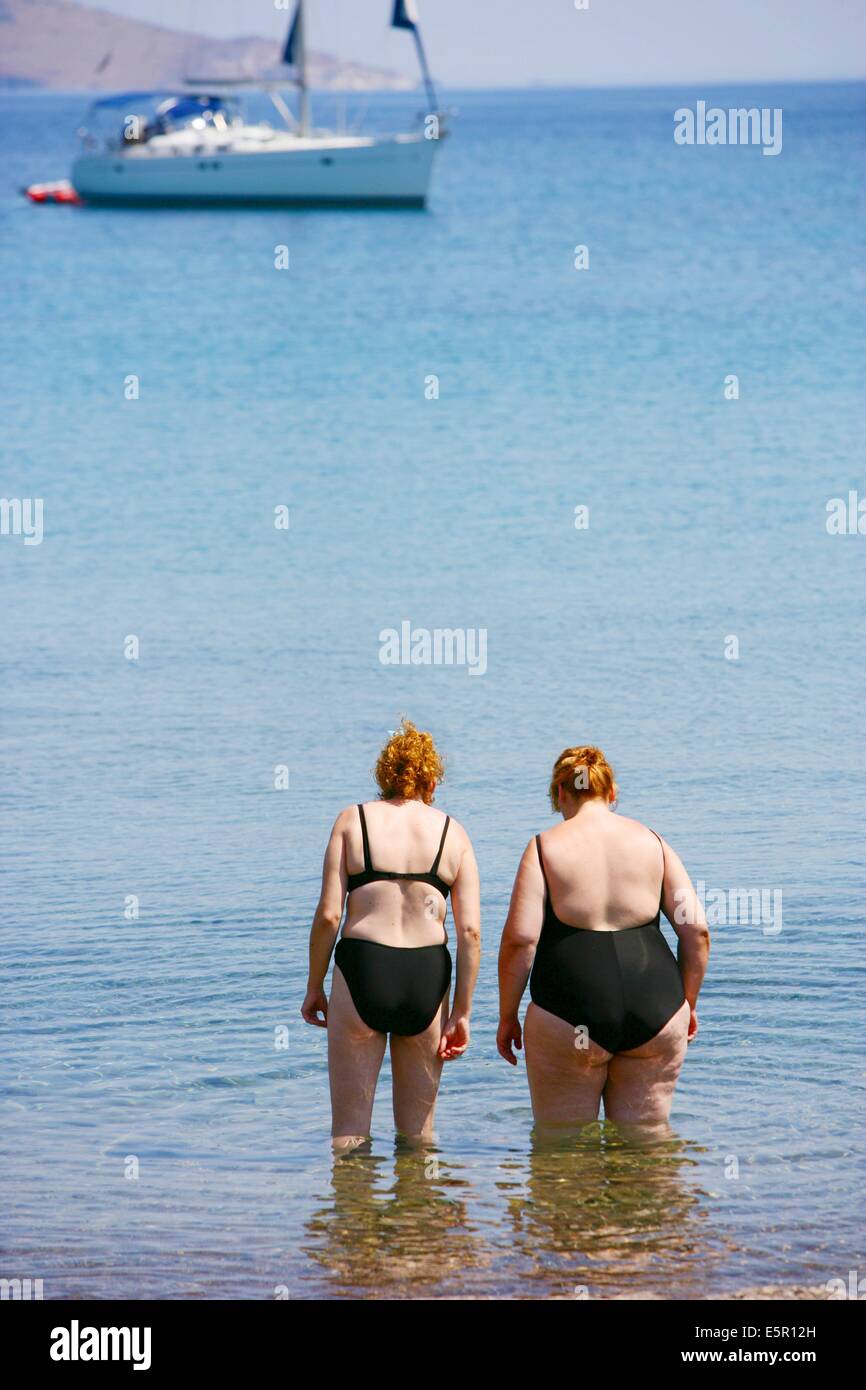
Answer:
(409, 765)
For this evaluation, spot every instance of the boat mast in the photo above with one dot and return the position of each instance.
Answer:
(405, 16)
(302, 71)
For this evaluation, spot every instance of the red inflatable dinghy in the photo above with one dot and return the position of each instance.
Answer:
(59, 192)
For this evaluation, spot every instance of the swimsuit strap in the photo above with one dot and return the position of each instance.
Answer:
(435, 868)
(664, 864)
(368, 866)
(543, 870)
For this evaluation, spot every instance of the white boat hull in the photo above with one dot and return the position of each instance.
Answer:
(309, 172)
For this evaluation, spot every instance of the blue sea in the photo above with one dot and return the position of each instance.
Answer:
(165, 1118)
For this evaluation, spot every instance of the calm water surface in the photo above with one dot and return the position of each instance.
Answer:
(159, 1039)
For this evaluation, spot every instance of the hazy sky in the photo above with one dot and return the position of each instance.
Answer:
(519, 42)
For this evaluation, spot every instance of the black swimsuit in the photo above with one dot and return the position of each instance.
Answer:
(396, 989)
(622, 986)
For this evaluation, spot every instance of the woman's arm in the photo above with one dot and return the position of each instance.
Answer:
(326, 923)
(466, 910)
(684, 911)
(517, 949)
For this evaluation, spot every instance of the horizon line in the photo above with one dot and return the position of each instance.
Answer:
(22, 86)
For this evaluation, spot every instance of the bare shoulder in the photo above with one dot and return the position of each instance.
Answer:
(672, 859)
(530, 854)
(458, 831)
(344, 819)
(629, 823)
(458, 845)
(638, 832)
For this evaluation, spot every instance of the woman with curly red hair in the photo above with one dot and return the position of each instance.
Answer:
(392, 967)
(612, 1010)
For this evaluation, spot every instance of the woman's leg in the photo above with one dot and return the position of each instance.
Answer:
(640, 1083)
(355, 1055)
(567, 1071)
(416, 1071)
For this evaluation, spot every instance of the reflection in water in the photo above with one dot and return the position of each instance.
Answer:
(394, 1233)
(604, 1213)
(596, 1213)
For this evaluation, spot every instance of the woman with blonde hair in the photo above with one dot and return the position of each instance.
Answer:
(392, 967)
(612, 1010)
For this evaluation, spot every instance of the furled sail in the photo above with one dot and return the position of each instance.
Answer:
(292, 52)
(405, 15)
(295, 56)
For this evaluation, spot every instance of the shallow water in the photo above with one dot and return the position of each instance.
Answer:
(157, 1038)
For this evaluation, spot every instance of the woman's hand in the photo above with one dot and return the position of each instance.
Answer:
(455, 1037)
(509, 1034)
(693, 1025)
(315, 1003)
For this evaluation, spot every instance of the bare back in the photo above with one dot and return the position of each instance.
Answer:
(605, 873)
(404, 837)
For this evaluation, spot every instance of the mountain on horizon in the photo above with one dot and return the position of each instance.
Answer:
(68, 46)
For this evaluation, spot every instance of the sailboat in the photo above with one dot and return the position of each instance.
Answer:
(197, 147)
